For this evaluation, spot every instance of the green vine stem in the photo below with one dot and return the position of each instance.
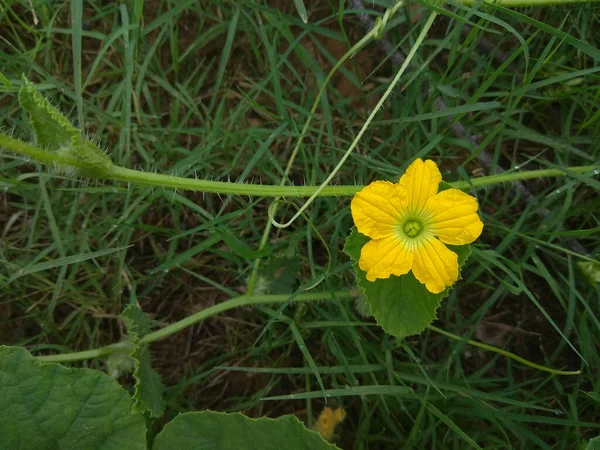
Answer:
(250, 300)
(120, 347)
(139, 178)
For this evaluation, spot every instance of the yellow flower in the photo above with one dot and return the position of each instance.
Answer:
(328, 420)
(409, 223)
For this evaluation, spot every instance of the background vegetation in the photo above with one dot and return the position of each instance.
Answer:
(220, 90)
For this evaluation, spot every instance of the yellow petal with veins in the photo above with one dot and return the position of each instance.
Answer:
(380, 258)
(421, 182)
(435, 265)
(451, 215)
(378, 208)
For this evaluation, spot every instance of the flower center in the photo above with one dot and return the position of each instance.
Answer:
(412, 228)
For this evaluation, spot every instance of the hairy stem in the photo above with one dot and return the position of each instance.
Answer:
(139, 178)
(30, 151)
(120, 347)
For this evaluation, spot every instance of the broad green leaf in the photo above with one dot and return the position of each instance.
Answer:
(222, 431)
(401, 305)
(54, 132)
(49, 406)
(149, 388)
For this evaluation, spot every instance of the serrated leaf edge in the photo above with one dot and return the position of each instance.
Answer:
(363, 291)
(291, 417)
(134, 337)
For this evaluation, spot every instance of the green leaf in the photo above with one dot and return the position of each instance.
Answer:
(54, 132)
(149, 388)
(594, 444)
(92, 158)
(49, 406)
(402, 305)
(222, 431)
(301, 10)
(591, 270)
(279, 275)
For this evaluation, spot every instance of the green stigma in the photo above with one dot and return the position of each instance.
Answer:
(412, 228)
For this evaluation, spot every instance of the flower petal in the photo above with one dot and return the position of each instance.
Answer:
(451, 215)
(421, 181)
(378, 208)
(381, 258)
(435, 265)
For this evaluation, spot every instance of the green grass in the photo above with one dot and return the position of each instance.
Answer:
(221, 90)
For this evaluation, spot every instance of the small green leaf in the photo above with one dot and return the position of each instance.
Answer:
(54, 132)
(149, 388)
(301, 10)
(91, 157)
(220, 431)
(401, 305)
(594, 444)
(279, 275)
(591, 270)
(118, 364)
(49, 406)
